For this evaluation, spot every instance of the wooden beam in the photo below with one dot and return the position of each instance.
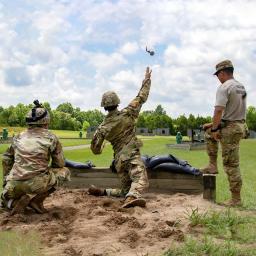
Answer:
(209, 181)
(160, 181)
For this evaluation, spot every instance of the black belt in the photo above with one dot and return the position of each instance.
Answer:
(233, 121)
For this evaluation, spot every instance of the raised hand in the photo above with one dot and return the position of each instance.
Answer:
(148, 73)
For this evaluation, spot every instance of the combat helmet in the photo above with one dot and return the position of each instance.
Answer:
(38, 115)
(109, 99)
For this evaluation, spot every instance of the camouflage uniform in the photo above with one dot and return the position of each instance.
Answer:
(118, 128)
(25, 164)
(231, 97)
(231, 134)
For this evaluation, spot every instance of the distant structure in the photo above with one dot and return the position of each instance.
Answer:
(252, 134)
(144, 131)
(196, 141)
(162, 131)
(195, 135)
(90, 131)
(147, 132)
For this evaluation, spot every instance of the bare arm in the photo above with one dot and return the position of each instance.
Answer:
(216, 122)
(217, 117)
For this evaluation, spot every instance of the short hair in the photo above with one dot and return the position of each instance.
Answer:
(110, 108)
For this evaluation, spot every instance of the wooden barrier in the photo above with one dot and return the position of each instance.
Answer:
(160, 181)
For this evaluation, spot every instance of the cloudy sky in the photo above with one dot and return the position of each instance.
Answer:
(73, 50)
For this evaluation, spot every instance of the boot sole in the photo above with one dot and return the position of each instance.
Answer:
(136, 202)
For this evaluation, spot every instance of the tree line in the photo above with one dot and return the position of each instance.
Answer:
(68, 117)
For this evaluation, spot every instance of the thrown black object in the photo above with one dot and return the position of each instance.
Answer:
(78, 165)
(151, 53)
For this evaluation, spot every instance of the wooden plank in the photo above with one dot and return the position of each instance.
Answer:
(163, 186)
(160, 181)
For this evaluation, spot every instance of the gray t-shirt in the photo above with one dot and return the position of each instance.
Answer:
(232, 96)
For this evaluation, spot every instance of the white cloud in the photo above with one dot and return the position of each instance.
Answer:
(129, 48)
(75, 50)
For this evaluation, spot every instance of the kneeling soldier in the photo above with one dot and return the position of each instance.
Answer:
(28, 179)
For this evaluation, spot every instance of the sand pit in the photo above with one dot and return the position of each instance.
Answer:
(78, 224)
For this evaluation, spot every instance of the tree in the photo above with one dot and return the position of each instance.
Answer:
(160, 110)
(86, 125)
(66, 108)
(251, 118)
(181, 124)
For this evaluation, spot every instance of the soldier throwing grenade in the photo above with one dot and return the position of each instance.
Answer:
(118, 128)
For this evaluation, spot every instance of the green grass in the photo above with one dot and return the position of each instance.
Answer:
(206, 246)
(67, 134)
(59, 133)
(218, 233)
(157, 146)
(219, 226)
(226, 224)
(19, 244)
(74, 142)
(3, 148)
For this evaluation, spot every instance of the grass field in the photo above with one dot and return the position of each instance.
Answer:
(60, 133)
(157, 146)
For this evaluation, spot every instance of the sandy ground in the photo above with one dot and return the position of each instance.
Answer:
(78, 224)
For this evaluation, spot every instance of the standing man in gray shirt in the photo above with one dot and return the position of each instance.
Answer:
(228, 127)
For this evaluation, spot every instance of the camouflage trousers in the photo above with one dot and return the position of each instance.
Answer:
(133, 177)
(39, 184)
(231, 135)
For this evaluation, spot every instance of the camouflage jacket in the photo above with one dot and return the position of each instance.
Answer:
(30, 154)
(118, 127)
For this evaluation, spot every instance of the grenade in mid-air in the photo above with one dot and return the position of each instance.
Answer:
(150, 52)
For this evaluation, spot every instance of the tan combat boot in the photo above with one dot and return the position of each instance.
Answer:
(235, 201)
(96, 191)
(132, 201)
(211, 168)
(20, 205)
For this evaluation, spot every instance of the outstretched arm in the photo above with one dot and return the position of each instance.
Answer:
(136, 104)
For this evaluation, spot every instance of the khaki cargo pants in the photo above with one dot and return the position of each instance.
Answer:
(231, 134)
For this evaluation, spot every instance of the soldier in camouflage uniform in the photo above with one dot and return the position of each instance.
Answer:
(228, 128)
(28, 179)
(119, 129)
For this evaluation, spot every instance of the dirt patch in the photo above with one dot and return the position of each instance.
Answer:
(79, 224)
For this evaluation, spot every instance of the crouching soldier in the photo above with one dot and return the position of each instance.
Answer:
(118, 128)
(28, 178)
